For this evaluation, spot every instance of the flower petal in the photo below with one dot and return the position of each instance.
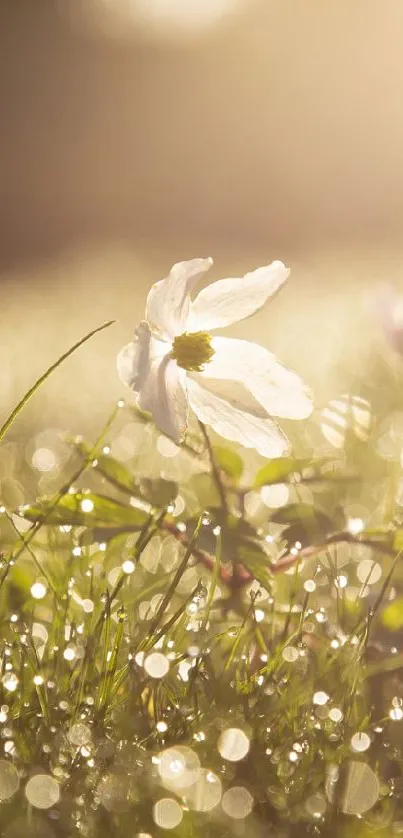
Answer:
(231, 410)
(280, 391)
(163, 394)
(229, 300)
(133, 360)
(168, 301)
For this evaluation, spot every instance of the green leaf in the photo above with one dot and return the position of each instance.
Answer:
(158, 492)
(252, 556)
(229, 461)
(296, 512)
(305, 523)
(105, 513)
(240, 544)
(278, 470)
(281, 469)
(106, 535)
(398, 540)
(392, 615)
(334, 476)
(115, 472)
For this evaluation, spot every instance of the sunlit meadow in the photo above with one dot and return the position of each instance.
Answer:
(199, 639)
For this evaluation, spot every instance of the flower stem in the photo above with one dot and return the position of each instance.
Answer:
(215, 469)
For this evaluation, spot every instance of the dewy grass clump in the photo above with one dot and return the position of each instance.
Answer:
(196, 639)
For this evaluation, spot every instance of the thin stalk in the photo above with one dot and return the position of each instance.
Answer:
(175, 617)
(61, 493)
(215, 469)
(111, 668)
(21, 404)
(174, 582)
(34, 558)
(213, 583)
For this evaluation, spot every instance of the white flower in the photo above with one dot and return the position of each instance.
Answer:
(233, 385)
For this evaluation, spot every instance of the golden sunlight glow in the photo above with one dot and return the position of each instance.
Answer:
(166, 18)
(182, 14)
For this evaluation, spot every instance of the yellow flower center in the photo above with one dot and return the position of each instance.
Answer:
(192, 350)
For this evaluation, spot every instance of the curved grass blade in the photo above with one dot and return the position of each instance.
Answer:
(9, 421)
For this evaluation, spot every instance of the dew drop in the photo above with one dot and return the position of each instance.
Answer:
(10, 682)
(43, 459)
(156, 665)
(79, 734)
(335, 714)
(69, 653)
(320, 698)
(87, 505)
(162, 727)
(290, 654)
(38, 590)
(128, 567)
(360, 742)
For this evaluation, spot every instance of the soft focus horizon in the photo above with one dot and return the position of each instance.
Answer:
(140, 134)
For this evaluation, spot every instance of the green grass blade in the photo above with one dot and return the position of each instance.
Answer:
(42, 379)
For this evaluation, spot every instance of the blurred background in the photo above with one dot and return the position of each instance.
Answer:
(137, 133)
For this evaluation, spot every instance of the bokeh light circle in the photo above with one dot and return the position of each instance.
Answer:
(42, 791)
(9, 780)
(205, 793)
(156, 665)
(359, 787)
(167, 813)
(237, 802)
(79, 734)
(178, 767)
(233, 744)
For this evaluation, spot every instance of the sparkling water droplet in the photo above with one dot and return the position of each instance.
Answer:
(10, 682)
(87, 505)
(360, 742)
(320, 698)
(290, 654)
(128, 567)
(335, 714)
(38, 590)
(79, 734)
(156, 665)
